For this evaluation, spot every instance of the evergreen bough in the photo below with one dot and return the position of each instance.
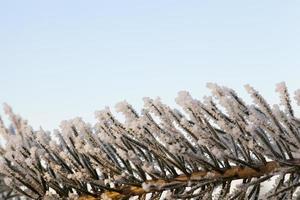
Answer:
(218, 148)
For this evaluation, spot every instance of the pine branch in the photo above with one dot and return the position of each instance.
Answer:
(232, 173)
(160, 152)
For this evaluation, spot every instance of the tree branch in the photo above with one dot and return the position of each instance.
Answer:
(150, 186)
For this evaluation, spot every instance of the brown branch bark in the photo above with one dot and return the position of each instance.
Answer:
(232, 173)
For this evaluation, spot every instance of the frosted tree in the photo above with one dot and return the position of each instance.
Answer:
(217, 148)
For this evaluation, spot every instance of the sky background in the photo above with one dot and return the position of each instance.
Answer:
(61, 59)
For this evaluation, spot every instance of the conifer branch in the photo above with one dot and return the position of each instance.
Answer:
(160, 152)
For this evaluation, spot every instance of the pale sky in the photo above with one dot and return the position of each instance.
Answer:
(62, 59)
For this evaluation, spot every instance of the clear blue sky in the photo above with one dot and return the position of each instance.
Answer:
(61, 59)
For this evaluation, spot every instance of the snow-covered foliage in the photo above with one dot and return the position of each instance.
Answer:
(160, 151)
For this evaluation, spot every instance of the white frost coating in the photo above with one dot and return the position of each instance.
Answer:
(297, 97)
(159, 111)
(7, 109)
(8, 181)
(254, 94)
(17, 122)
(176, 148)
(147, 186)
(73, 196)
(184, 122)
(52, 144)
(41, 136)
(129, 113)
(102, 115)
(201, 142)
(296, 154)
(79, 175)
(63, 155)
(56, 168)
(217, 152)
(168, 195)
(79, 124)
(122, 153)
(250, 144)
(284, 97)
(131, 154)
(148, 168)
(107, 181)
(120, 177)
(259, 100)
(249, 89)
(147, 102)
(184, 99)
(209, 175)
(14, 140)
(280, 87)
(33, 151)
(149, 105)
(51, 195)
(78, 143)
(215, 89)
(2, 128)
(223, 95)
(47, 177)
(66, 128)
(255, 117)
(29, 162)
(122, 107)
(105, 137)
(70, 176)
(88, 149)
(276, 109)
(236, 132)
